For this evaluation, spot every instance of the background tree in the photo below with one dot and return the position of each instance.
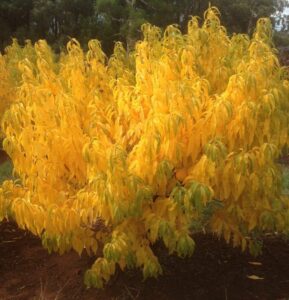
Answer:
(59, 20)
(241, 16)
(118, 20)
(15, 20)
(124, 17)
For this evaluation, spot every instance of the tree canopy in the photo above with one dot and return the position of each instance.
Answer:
(117, 20)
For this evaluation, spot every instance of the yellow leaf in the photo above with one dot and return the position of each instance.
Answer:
(255, 277)
(255, 263)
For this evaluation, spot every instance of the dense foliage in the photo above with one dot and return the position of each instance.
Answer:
(178, 136)
(10, 74)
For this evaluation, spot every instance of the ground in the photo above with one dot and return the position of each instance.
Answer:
(215, 271)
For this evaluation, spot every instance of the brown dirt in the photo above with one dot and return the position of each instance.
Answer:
(216, 271)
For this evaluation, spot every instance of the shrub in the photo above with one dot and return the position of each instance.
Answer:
(179, 136)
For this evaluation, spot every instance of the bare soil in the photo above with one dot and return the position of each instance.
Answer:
(215, 271)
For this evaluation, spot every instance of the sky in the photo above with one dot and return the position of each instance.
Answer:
(286, 12)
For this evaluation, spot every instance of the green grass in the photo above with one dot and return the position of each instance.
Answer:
(6, 171)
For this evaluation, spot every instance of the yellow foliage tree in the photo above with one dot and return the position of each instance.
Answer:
(180, 135)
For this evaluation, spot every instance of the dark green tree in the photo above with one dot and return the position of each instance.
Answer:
(15, 20)
(59, 20)
(118, 20)
(121, 19)
(242, 15)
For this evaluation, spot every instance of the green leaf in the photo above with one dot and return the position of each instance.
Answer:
(185, 246)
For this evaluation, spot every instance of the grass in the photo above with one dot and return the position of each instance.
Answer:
(6, 170)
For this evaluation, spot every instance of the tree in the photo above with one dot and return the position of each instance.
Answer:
(54, 20)
(118, 20)
(241, 16)
(59, 20)
(124, 18)
(15, 20)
